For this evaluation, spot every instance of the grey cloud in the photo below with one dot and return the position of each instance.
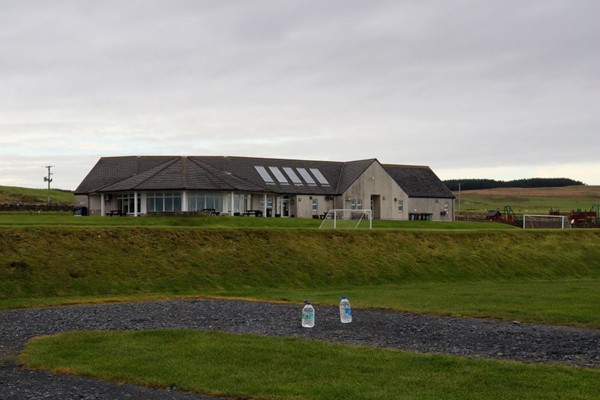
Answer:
(430, 82)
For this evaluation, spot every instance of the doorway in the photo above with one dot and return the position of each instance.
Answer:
(284, 207)
(376, 206)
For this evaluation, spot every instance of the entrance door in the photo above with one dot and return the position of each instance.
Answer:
(376, 206)
(284, 207)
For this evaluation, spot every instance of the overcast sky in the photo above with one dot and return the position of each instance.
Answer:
(472, 88)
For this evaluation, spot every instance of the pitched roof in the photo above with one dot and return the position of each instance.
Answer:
(109, 171)
(418, 181)
(113, 174)
(248, 174)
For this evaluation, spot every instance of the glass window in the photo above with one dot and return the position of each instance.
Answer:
(315, 205)
(125, 203)
(177, 203)
(264, 174)
(163, 202)
(199, 201)
(269, 203)
(279, 175)
(290, 172)
(307, 178)
(317, 173)
(400, 205)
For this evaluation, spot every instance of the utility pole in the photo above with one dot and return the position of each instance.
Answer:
(48, 179)
(459, 197)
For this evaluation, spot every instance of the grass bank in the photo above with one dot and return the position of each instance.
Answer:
(249, 366)
(544, 276)
(21, 219)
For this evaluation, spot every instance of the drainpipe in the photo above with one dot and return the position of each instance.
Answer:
(232, 204)
(135, 208)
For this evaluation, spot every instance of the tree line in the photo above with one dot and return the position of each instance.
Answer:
(475, 184)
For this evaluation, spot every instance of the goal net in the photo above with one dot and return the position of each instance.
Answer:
(347, 219)
(532, 221)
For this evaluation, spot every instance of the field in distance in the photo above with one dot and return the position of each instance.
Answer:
(529, 200)
(20, 195)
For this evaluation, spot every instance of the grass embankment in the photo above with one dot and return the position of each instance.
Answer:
(248, 366)
(218, 222)
(544, 276)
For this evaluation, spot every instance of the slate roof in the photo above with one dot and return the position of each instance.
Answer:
(219, 173)
(418, 181)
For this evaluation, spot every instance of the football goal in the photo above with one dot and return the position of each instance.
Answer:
(532, 221)
(347, 219)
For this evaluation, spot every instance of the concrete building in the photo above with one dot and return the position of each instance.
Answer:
(267, 187)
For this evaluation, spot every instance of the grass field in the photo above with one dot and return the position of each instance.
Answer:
(19, 195)
(460, 269)
(529, 200)
(247, 366)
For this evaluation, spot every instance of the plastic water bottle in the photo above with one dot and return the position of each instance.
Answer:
(345, 310)
(308, 315)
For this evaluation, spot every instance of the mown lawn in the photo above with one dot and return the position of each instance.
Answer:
(248, 366)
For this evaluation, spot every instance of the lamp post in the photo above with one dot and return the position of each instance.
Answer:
(48, 179)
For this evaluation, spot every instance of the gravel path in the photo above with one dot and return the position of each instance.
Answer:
(412, 332)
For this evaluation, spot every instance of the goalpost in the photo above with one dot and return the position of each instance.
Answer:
(342, 218)
(534, 221)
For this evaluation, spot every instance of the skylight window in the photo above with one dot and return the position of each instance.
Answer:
(292, 174)
(279, 175)
(307, 178)
(264, 174)
(319, 176)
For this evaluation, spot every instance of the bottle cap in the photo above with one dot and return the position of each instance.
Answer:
(344, 296)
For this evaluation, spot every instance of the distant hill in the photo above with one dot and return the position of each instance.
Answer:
(479, 184)
(11, 195)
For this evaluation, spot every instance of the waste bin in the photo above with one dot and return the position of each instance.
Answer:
(80, 211)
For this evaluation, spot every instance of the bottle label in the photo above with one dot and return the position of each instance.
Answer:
(309, 315)
(348, 311)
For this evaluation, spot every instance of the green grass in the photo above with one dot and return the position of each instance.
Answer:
(560, 302)
(281, 368)
(219, 222)
(15, 195)
(541, 276)
(533, 200)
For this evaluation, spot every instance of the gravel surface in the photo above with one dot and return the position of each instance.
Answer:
(406, 331)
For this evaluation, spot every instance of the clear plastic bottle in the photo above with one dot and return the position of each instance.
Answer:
(345, 310)
(308, 315)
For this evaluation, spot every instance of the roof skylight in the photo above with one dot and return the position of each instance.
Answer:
(319, 176)
(307, 178)
(264, 174)
(292, 174)
(279, 176)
